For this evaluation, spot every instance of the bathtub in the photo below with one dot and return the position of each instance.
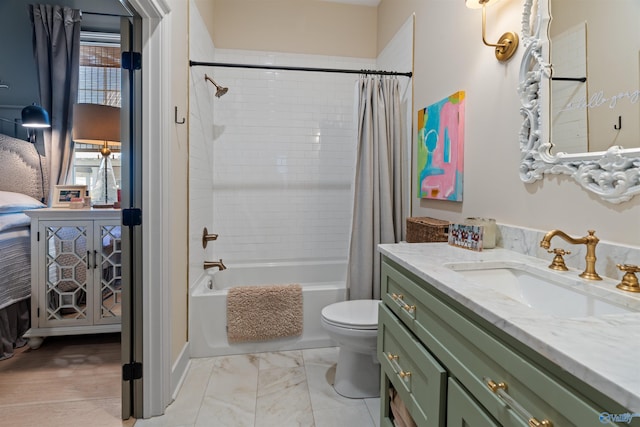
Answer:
(323, 283)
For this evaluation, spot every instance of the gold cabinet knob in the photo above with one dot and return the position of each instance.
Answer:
(397, 296)
(404, 374)
(629, 281)
(392, 356)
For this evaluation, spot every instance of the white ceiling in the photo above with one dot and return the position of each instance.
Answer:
(358, 2)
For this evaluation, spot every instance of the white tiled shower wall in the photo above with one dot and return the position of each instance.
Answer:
(283, 158)
(272, 162)
(201, 105)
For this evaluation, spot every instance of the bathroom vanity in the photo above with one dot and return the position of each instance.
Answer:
(462, 351)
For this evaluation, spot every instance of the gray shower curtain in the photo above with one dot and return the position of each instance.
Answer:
(378, 208)
(56, 47)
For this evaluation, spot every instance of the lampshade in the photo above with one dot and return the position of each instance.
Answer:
(96, 124)
(477, 4)
(99, 124)
(34, 116)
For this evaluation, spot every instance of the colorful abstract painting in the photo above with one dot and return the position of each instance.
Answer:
(441, 149)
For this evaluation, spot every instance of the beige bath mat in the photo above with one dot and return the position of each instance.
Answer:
(258, 313)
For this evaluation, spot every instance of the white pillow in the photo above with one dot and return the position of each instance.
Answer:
(17, 202)
(13, 220)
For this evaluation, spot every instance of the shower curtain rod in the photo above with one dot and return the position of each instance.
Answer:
(287, 68)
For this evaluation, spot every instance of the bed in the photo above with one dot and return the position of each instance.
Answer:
(23, 186)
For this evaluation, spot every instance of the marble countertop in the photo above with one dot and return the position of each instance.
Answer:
(603, 351)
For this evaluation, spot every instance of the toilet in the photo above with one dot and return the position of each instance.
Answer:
(353, 325)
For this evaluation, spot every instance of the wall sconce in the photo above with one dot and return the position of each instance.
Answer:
(508, 42)
(33, 116)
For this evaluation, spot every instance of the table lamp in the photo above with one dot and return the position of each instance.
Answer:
(99, 124)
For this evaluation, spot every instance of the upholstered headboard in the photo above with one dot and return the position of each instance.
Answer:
(20, 168)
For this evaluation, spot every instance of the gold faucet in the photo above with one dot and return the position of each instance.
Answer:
(212, 264)
(590, 240)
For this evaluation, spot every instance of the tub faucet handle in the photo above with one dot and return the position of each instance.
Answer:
(206, 237)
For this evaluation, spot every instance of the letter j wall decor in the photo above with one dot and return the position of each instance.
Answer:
(441, 149)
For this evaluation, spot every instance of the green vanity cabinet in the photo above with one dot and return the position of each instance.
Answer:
(451, 367)
(412, 370)
(463, 410)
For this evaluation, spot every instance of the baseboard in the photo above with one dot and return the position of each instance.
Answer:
(179, 371)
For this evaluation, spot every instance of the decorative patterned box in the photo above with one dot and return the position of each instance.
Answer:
(466, 236)
(425, 229)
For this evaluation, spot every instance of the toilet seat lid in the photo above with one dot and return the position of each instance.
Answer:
(355, 314)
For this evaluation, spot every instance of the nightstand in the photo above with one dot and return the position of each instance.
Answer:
(75, 272)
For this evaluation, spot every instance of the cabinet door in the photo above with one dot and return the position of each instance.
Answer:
(107, 275)
(463, 411)
(65, 254)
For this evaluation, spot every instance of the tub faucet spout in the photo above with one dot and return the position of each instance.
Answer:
(211, 264)
(590, 241)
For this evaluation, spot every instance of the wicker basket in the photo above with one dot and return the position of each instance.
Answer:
(425, 229)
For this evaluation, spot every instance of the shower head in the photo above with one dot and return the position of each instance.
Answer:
(220, 90)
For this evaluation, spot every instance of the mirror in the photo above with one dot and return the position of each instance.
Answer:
(595, 81)
(605, 167)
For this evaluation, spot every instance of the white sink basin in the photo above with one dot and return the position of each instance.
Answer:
(556, 296)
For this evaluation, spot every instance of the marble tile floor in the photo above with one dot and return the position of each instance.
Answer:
(281, 389)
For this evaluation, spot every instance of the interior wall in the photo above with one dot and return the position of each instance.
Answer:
(178, 169)
(201, 137)
(492, 185)
(300, 26)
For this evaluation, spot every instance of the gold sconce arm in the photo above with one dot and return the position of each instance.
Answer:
(508, 42)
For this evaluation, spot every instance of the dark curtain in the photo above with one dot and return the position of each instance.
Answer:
(56, 47)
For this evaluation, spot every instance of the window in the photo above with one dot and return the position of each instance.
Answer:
(99, 83)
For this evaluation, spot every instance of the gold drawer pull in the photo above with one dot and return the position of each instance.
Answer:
(494, 387)
(397, 296)
(409, 308)
(500, 390)
(392, 356)
(544, 423)
(404, 374)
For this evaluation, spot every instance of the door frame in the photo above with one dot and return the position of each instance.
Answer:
(154, 307)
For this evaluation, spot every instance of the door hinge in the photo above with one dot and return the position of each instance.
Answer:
(132, 371)
(131, 60)
(38, 312)
(38, 236)
(131, 217)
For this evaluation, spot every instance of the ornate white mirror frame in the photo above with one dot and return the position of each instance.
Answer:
(614, 174)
